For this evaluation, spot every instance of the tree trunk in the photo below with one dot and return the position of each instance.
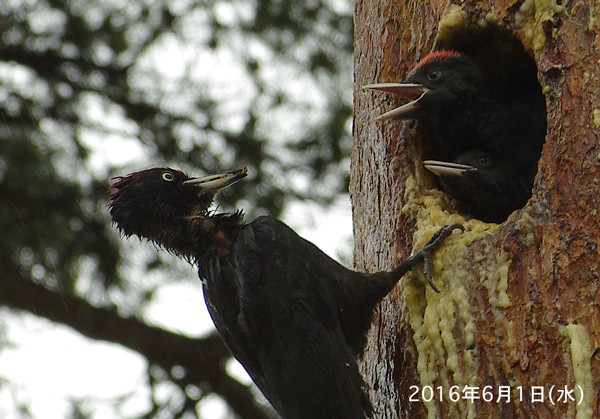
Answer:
(517, 318)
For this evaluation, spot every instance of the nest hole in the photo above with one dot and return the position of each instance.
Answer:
(509, 74)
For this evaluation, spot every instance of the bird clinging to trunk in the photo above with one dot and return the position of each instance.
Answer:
(447, 92)
(293, 317)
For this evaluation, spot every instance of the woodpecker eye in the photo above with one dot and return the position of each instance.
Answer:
(168, 176)
(484, 161)
(434, 75)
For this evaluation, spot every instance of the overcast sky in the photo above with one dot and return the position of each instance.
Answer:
(43, 365)
(47, 364)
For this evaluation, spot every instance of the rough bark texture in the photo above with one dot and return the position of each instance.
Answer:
(519, 301)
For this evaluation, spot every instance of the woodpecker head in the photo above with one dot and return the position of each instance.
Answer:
(487, 187)
(165, 205)
(471, 162)
(439, 80)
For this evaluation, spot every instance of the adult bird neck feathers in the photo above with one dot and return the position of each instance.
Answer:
(295, 318)
(171, 209)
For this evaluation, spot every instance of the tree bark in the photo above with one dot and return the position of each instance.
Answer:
(518, 310)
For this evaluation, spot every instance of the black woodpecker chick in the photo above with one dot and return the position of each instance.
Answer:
(293, 317)
(447, 92)
(486, 187)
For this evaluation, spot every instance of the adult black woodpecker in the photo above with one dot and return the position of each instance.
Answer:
(486, 187)
(446, 91)
(293, 317)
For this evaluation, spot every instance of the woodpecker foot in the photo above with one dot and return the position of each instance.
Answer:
(432, 245)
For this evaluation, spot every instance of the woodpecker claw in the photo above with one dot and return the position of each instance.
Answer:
(436, 240)
(427, 272)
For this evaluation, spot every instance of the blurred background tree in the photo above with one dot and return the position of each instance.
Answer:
(90, 89)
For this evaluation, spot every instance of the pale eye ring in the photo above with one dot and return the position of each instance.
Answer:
(434, 75)
(168, 176)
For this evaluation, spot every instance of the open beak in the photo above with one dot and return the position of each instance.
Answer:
(413, 92)
(443, 168)
(214, 183)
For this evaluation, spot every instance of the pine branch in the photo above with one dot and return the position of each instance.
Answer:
(203, 359)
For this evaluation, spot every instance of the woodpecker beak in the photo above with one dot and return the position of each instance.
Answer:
(443, 168)
(214, 183)
(411, 91)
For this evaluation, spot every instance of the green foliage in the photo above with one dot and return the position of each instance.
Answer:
(90, 89)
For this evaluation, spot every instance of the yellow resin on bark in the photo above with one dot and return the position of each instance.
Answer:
(436, 317)
(533, 13)
(581, 359)
(444, 323)
(596, 117)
